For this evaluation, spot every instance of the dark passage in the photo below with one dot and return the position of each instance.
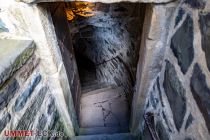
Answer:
(100, 45)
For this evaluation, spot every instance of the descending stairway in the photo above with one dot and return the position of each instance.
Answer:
(103, 111)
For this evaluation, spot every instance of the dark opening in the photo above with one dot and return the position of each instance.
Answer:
(100, 46)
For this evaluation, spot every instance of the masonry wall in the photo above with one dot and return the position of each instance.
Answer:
(178, 98)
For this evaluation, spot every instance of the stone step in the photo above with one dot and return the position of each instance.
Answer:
(103, 130)
(104, 107)
(118, 136)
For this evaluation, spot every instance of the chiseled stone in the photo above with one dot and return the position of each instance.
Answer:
(205, 31)
(4, 121)
(196, 3)
(14, 52)
(182, 44)
(179, 17)
(30, 114)
(7, 93)
(201, 93)
(175, 94)
(189, 121)
(22, 98)
(162, 133)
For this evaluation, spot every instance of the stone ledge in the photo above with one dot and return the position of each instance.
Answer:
(14, 52)
(103, 1)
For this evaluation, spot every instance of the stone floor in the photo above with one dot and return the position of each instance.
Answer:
(104, 109)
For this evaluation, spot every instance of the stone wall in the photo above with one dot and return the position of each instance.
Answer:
(111, 41)
(31, 92)
(178, 96)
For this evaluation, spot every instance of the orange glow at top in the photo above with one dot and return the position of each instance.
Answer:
(85, 9)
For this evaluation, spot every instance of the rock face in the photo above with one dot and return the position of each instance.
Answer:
(110, 40)
(201, 92)
(7, 93)
(29, 115)
(205, 31)
(12, 58)
(175, 93)
(196, 3)
(182, 44)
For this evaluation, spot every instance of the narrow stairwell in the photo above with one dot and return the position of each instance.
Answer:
(104, 113)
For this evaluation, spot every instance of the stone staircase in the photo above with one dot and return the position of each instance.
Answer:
(104, 113)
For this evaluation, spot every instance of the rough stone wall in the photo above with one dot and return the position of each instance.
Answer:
(178, 97)
(31, 92)
(111, 40)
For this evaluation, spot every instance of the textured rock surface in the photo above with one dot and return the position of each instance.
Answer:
(201, 93)
(205, 31)
(175, 93)
(4, 120)
(196, 3)
(23, 97)
(7, 93)
(30, 114)
(182, 44)
(13, 54)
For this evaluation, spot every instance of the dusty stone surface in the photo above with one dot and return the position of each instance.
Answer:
(106, 103)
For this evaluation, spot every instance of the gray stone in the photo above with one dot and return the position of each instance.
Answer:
(189, 121)
(205, 31)
(200, 4)
(162, 132)
(42, 122)
(201, 93)
(182, 44)
(23, 97)
(7, 93)
(27, 70)
(179, 16)
(30, 114)
(4, 121)
(175, 94)
(14, 52)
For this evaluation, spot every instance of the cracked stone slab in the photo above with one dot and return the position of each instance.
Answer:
(14, 52)
(104, 109)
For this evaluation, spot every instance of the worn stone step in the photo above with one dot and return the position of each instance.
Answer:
(105, 107)
(118, 136)
(103, 130)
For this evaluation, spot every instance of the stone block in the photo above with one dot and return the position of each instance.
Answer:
(23, 97)
(175, 93)
(4, 121)
(205, 32)
(182, 44)
(201, 93)
(30, 114)
(14, 52)
(7, 93)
